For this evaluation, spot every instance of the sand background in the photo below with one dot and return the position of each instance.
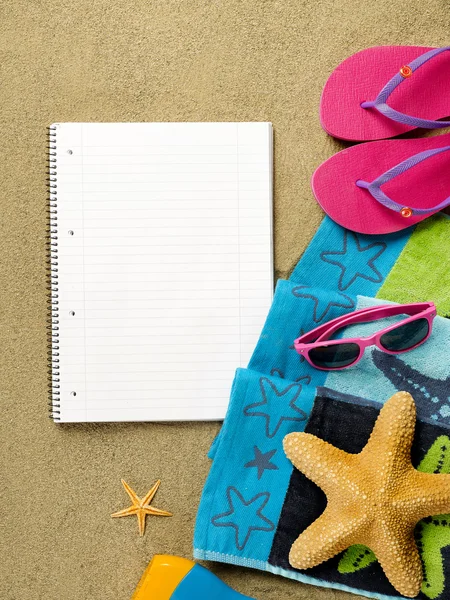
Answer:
(145, 60)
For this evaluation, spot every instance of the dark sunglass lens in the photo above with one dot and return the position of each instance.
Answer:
(405, 336)
(335, 356)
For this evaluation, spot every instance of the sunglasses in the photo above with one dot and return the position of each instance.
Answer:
(405, 335)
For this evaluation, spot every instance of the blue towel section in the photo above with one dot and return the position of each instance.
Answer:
(245, 490)
(244, 493)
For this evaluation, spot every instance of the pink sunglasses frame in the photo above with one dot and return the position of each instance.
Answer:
(321, 334)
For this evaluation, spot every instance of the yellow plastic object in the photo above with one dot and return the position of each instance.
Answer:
(162, 577)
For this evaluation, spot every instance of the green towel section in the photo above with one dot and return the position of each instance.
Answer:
(422, 271)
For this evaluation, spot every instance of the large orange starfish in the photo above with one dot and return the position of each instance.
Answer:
(141, 506)
(374, 498)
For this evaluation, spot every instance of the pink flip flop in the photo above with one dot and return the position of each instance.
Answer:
(373, 94)
(385, 186)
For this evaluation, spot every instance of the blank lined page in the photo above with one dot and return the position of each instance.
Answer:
(165, 268)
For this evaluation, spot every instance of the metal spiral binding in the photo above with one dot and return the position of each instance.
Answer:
(53, 291)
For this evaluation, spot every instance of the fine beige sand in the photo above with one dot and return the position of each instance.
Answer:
(145, 60)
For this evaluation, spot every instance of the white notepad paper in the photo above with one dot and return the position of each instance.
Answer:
(162, 266)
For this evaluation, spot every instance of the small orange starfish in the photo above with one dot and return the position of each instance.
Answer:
(141, 506)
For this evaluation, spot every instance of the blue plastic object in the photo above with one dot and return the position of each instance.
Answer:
(201, 584)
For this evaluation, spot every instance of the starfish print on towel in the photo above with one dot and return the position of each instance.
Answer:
(355, 260)
(432, 395)
(277, 406)
(322, 301)
(262, 461)
(279, 373)
(244, 516)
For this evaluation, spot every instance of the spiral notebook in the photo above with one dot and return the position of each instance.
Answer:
(161, 266)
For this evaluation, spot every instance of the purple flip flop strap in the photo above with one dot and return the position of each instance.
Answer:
(375, 186)
(380, 102)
